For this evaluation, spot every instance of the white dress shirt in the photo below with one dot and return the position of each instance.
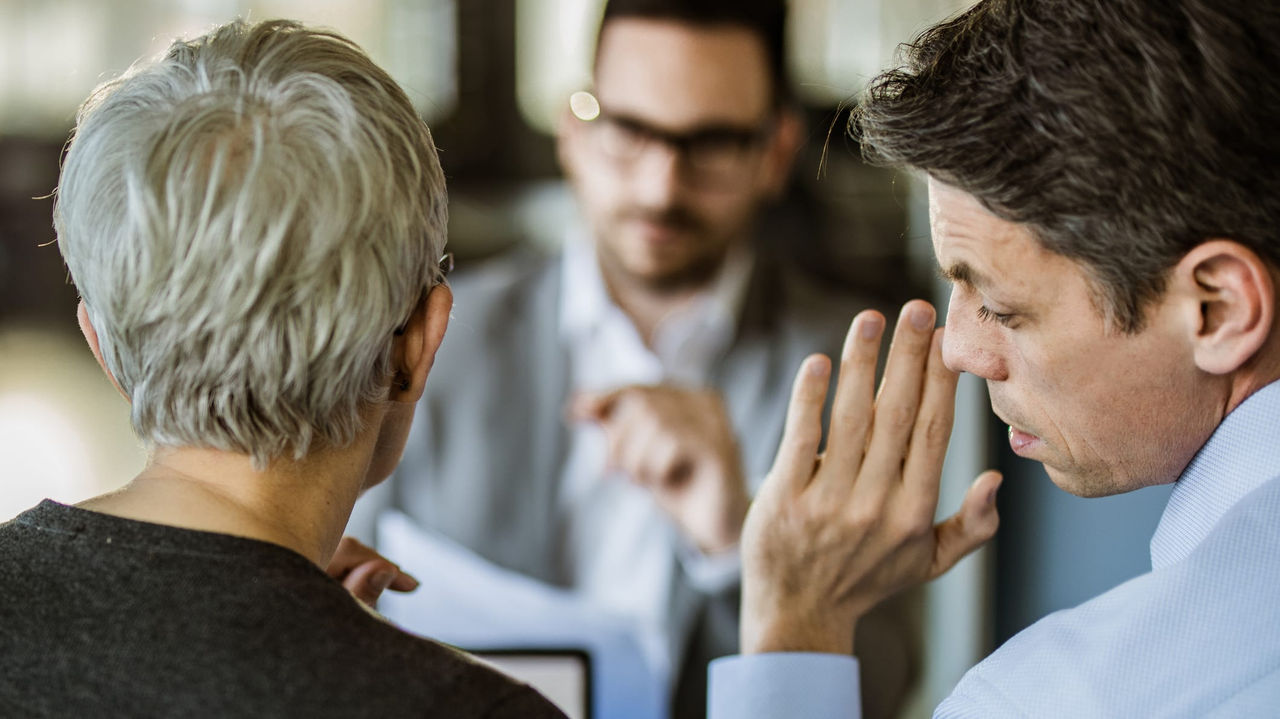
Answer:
(622, 547)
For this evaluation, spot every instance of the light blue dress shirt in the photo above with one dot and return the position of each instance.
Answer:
(1197, 636)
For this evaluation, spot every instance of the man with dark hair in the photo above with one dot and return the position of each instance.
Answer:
(668, 337)
(1105, 200)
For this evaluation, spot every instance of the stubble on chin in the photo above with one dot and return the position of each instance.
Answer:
(684, 269)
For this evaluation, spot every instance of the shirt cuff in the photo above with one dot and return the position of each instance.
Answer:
(783, 685)
(710, 573)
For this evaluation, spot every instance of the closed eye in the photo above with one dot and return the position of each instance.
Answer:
(985, 314)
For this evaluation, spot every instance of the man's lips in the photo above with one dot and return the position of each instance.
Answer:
(1020, 441)
(658, 231)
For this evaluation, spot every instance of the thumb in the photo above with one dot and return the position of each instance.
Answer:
(971, 527)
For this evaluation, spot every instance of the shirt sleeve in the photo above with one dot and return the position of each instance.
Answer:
(784, 685)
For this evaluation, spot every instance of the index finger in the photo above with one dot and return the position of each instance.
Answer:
(369, 580)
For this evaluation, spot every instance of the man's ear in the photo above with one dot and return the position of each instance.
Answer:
(415, 347)
(781, 150)
(1235, 303)
(91, 337)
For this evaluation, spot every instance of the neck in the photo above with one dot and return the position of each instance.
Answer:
(303, 505)
(647, 302)
(1259, 372)
(648, 306)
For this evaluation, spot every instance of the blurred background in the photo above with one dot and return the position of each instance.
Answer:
(491, 77)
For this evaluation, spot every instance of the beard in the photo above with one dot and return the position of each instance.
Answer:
(696, 254)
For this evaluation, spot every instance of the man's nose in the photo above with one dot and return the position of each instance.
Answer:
(657, 176)
(969, 346)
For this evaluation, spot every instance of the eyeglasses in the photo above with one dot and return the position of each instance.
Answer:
(713, 155)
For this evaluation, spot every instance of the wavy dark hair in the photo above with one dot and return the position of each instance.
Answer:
(1121, 132)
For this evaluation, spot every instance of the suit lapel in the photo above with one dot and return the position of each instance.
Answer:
(748, 376)
(543, 384)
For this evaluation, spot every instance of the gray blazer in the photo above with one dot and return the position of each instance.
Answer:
(485, 457)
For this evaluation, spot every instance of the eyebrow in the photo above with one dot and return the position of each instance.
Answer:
(962, 273)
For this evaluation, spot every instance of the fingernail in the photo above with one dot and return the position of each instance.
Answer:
(921, 317)
(991, 496)
(817, 366)
(871, 327)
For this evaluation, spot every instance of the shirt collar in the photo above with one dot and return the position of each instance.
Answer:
(584, 299)
(1242, 454)
(722, 303)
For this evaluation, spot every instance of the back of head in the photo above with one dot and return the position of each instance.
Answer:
(766, 18)
(248, 220)
(1122, 132)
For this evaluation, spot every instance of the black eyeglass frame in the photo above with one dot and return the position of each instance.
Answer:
(445, 264)
(688, 145)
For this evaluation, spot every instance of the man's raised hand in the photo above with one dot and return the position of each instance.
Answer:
(829, 536)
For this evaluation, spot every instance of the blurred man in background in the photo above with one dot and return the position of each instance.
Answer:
(600, 418)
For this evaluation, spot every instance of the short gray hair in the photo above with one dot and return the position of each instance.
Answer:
(249, 219)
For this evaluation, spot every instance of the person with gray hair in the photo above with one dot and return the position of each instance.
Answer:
(254, 223)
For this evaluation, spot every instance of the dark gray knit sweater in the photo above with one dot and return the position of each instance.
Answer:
(103, 616)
